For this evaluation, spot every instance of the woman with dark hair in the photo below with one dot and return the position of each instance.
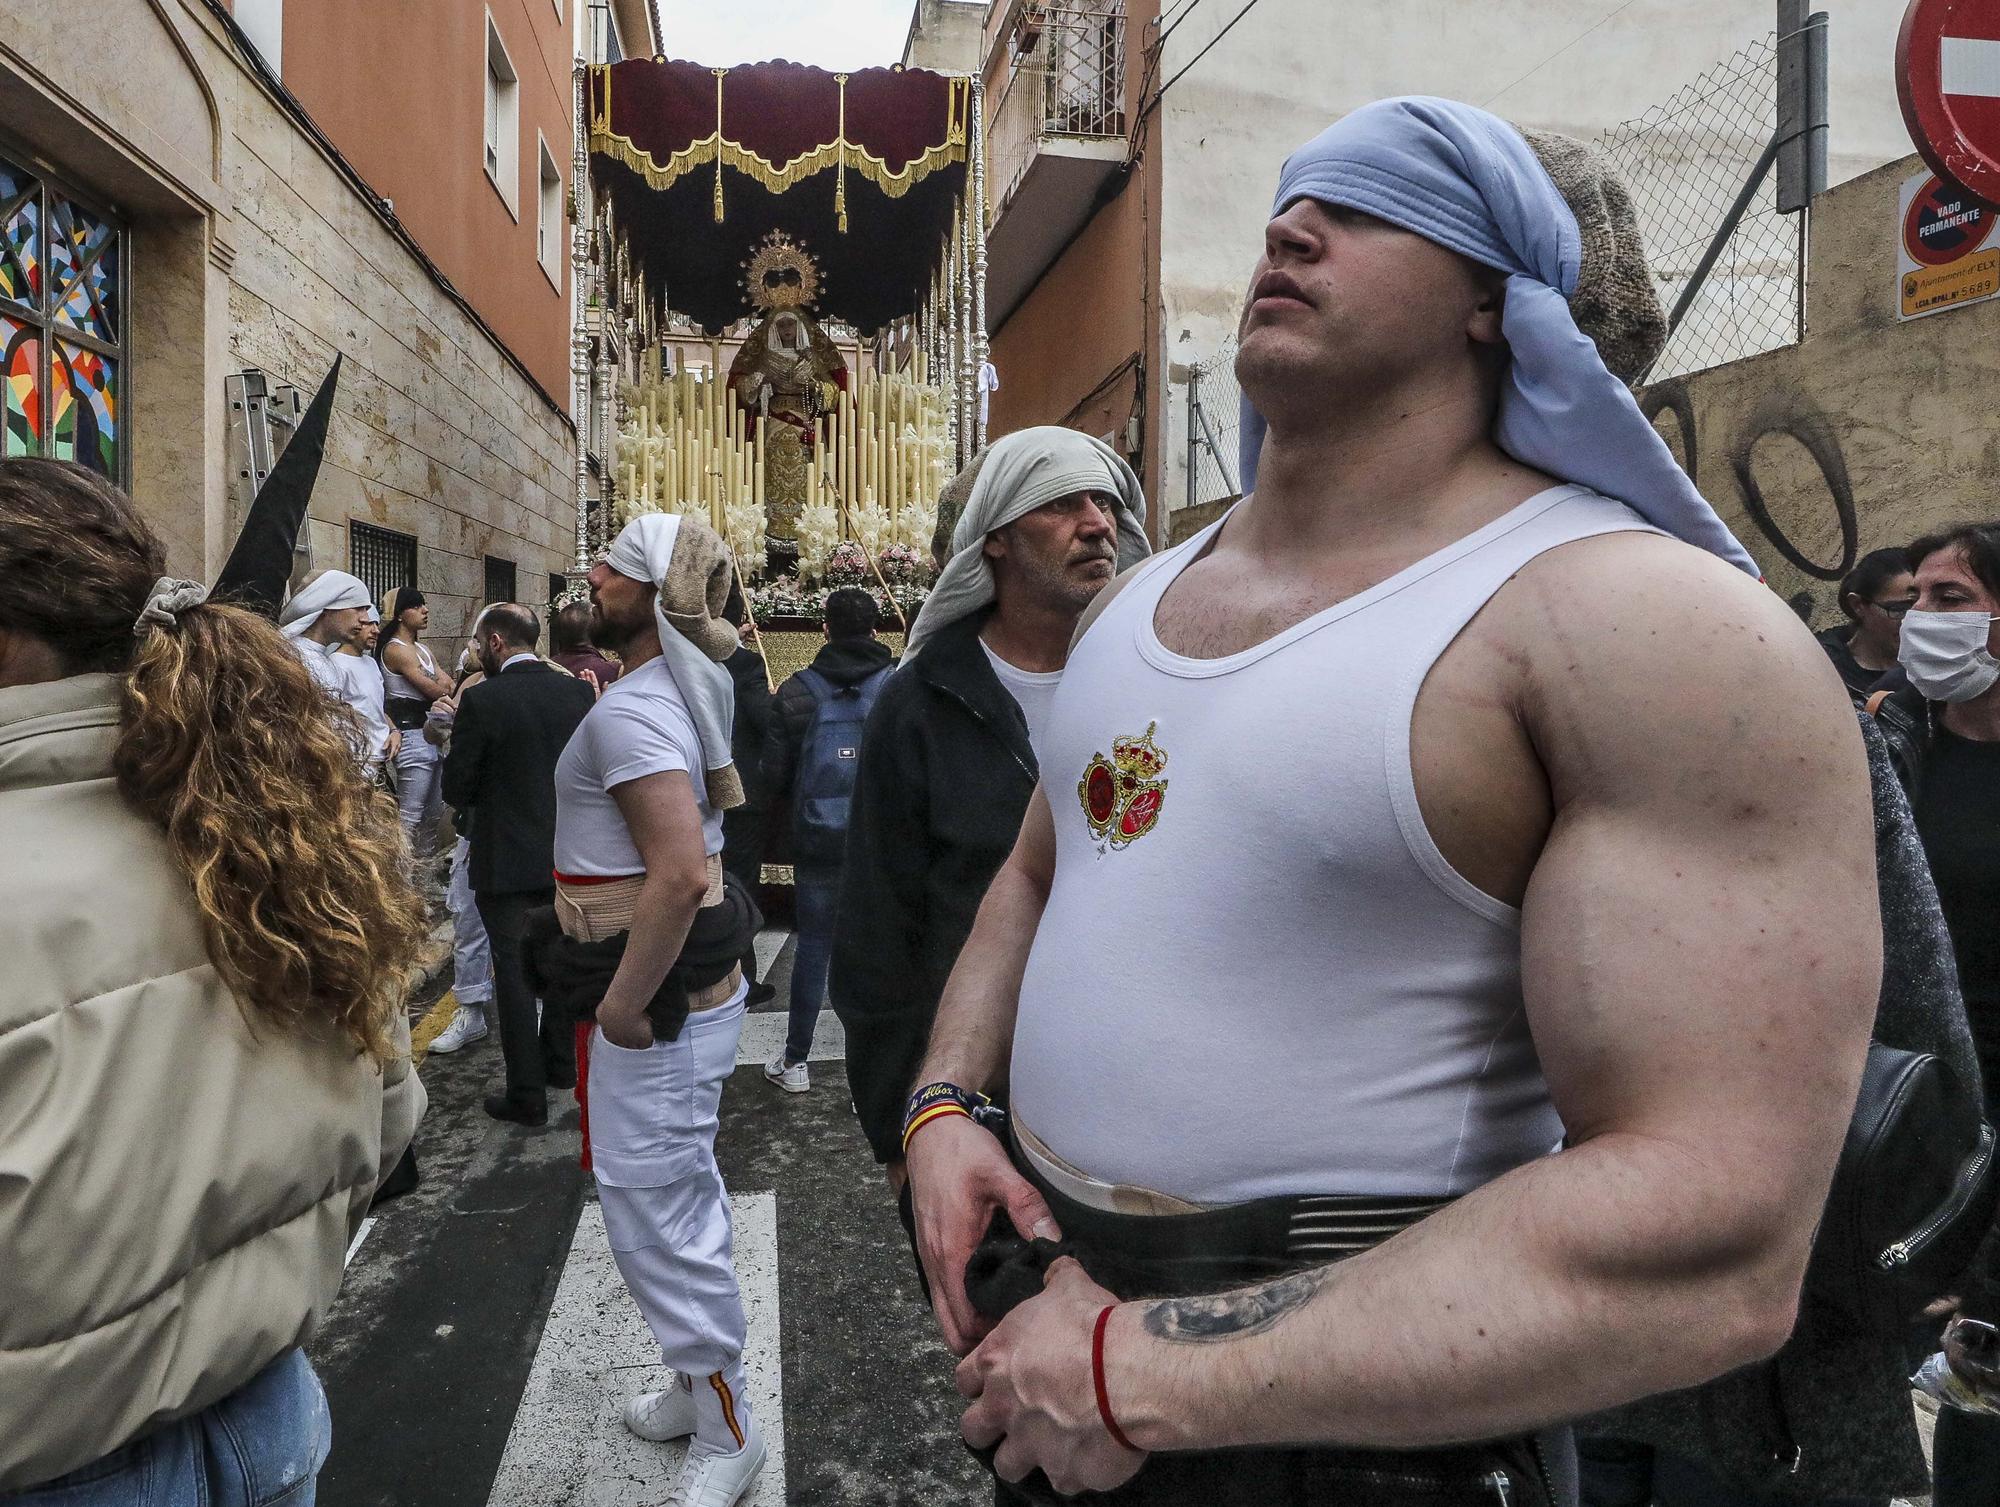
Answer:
(204, 1067)
(412, 681)
(1945, 732)
(1874, 595)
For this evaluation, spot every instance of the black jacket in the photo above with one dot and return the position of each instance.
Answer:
(505, 741)
(946, 773)
(846, 662)
(753, 721)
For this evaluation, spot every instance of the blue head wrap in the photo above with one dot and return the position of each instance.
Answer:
(1470, 182)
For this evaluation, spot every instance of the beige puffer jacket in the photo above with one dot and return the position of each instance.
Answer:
(176, 1191)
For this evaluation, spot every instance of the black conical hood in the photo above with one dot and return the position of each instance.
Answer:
(260, 566)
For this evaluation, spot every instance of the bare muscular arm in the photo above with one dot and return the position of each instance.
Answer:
(959, 1173)
(660, 811)
(973, 1035)
(1700, 951)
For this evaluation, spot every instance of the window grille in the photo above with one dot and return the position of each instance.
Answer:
(384, 559)
(499, 579)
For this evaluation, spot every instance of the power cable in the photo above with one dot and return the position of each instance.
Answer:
(1560, 51)
(1249, 5)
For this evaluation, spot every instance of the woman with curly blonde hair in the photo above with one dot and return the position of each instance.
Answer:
(203, 1058)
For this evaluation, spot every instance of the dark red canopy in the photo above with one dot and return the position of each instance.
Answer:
(701, 163)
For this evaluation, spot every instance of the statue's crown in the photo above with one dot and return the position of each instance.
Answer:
(781, 274)
(1140, 756)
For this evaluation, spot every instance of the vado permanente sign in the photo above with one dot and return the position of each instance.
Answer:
(1948, 75)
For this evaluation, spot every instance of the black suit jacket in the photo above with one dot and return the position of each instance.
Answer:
(505, 741)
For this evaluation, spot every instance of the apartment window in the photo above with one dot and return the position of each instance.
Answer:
(384, 559)
(62, 326)
(503, 121)
(558, 584)
(549, 214)
(499, 579)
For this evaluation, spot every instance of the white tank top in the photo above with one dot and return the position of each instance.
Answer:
(1256, 975)
(402, 685)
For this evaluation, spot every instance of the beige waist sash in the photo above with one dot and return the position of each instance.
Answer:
(594, 912)
(1091, 1192)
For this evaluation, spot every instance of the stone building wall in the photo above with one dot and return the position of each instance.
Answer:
(252, 248)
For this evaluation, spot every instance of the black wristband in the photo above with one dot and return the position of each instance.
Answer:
(949, 1098)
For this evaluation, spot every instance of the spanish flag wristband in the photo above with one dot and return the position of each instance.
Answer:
(938, 1101)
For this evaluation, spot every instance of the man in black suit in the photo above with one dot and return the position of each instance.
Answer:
(509, 731)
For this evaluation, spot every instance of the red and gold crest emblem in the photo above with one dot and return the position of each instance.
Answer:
(1122, 795)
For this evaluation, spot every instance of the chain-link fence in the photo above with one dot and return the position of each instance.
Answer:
(1213, 414)
(1688, 161)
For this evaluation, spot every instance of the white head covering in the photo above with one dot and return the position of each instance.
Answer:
(644, 551)
(327, 592)
(1026, 470)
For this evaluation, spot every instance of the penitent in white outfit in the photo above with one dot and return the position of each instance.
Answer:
(653, 1111)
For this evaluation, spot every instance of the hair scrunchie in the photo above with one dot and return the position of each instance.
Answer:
(168, 599)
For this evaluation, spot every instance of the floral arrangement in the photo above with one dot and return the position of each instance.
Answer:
(786, 597)
(743, 525)
(847, 565)
(914, 526)
(902, 566)
(819, 532)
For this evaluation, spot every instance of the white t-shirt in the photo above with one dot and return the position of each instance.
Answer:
(363, 690)
(1032, 690)
(356, 683)
(640, 726)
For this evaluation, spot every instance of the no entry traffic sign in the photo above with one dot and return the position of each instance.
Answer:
(1948, 76)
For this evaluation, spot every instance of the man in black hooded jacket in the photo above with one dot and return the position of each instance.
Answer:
(851, 661)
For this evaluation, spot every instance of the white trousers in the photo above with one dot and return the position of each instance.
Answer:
(420, 791)
(652, 1146)
(472, 954)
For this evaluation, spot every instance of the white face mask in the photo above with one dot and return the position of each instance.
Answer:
(1944, 654)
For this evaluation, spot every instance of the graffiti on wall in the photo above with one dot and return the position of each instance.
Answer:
(1782, 412)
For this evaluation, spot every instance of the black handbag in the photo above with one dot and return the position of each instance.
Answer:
(1913, 1195)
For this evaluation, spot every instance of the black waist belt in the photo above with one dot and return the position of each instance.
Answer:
(571, 976)
(1139, 1256)
(406, 712)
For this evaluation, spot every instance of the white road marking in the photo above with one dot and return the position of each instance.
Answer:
(569, 1446)
(764, 1037)
(359, 1236)
(770, 942)
(1969, 65)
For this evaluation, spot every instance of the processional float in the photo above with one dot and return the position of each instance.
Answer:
(824, 234)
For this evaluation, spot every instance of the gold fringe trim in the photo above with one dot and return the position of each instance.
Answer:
(839, 153)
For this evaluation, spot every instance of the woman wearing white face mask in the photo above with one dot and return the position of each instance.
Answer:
(1947, 749)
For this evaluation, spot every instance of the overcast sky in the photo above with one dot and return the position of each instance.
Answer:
(843, 34)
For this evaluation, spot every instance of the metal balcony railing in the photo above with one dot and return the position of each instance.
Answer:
(1066, 79)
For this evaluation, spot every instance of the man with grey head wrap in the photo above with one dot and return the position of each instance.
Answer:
(1379, 853)
(949, 759)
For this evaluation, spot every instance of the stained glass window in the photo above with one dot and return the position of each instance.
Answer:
(62, 336)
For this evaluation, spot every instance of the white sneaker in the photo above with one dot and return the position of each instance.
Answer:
(713, 1479)
(466, 1027)
(667, 1414)
(793, 1080)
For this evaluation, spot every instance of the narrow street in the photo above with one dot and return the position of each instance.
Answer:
(483, 1345)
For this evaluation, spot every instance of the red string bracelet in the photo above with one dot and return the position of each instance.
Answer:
(1097, 1378)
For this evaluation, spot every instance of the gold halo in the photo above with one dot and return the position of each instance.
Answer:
(778, 252)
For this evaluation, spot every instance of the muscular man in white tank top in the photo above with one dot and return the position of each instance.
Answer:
(1425, 813)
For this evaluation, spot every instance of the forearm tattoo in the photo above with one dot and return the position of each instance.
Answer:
(1232, 1315)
